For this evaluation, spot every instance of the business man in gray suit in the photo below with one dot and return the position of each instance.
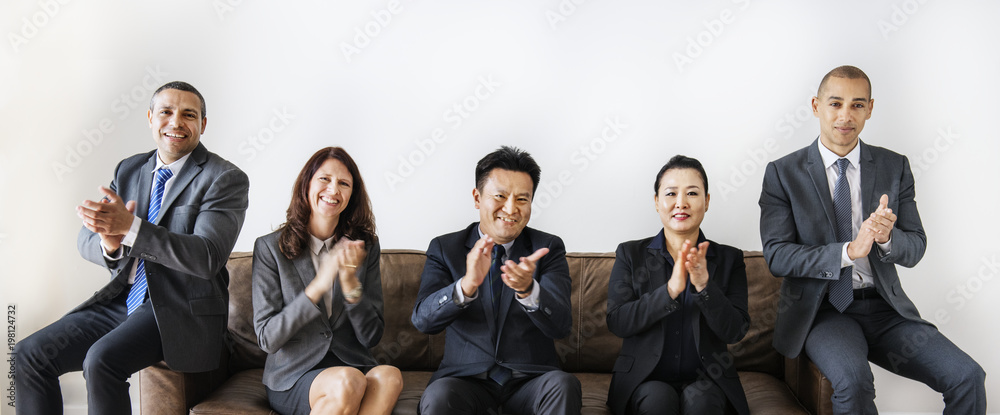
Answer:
(836, 218)
(164, 230)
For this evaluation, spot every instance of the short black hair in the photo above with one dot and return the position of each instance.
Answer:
(180, 86)
(680, 162)
(846, 71)
(508, 158)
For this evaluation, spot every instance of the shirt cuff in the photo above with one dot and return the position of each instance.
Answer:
(530, 303)
(460, 298)
(845, 260)
(133, 232)
(886, 247)
(112, 256)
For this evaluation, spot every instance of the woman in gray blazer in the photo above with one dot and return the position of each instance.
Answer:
(317, 297)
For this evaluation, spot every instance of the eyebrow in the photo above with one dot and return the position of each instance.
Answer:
(693, 186)
(841, 99)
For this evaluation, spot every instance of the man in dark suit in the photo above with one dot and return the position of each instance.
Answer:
(836, 218)
(166, 249)
(501, 316)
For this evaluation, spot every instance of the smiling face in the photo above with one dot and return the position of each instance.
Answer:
(681, 202)
(504, 204)
(330, 191)
(176, 122)
(842, 108)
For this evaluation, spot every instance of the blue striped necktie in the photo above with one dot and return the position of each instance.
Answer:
(841, 292)
(138, 292)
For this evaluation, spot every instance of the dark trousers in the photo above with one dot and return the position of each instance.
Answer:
(100, 341)
(554, 392)
(842, 344)
(692, 398)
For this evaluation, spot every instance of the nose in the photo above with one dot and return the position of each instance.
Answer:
(681, 201)
(508, 206)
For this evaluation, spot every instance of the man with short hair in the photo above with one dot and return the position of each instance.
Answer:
(502, 291)
(166, 249)
(836, 218)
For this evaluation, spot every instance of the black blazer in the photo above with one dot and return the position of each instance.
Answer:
(638, 301)
(185, 252)
(800, 243)
(525, 340)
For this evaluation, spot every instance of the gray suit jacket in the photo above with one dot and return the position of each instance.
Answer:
(185, 252)
(296, 333)
(797, 229)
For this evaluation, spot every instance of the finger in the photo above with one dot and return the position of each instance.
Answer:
(883, 202)
(703, 249)
(110, 194)
(93, 206)
(130, 206)
(534, 257)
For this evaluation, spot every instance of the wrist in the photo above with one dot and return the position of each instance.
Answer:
(354, 295)
(527, 290)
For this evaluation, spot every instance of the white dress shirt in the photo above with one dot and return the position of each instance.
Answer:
(862, 277)
(133, 231)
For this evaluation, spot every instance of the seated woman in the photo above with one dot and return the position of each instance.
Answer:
(677, 299)
(317, 297)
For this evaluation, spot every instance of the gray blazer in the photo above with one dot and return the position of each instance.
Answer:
(296, 333)
(185, 251)
(799, 237)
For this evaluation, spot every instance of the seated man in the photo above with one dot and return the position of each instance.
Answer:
(501, 315)
(164, 230)
(835, 219)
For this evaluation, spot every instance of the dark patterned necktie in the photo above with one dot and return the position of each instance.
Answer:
(841, 291)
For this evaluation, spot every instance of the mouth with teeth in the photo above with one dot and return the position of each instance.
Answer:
(329, 200)
(681, 216)
(507, 221)
(175, 136)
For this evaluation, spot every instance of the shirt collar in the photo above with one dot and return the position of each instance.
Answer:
(316, 245)
(830, 158)
(506, 246)
(174, 167)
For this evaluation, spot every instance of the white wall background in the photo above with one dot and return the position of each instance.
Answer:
(727, 82)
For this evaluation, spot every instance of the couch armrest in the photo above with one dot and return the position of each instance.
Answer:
(809, 385)
(165, 392)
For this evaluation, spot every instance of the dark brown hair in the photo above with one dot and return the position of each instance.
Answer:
(356, 221)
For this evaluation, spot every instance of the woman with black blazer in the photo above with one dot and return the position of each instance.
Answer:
(317, 297)
(677, 299)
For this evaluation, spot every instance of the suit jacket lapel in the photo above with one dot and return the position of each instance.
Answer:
(817, 172)
(520, 248)
(145, 188)
(485, 303)
(304, 267)
(191, 169)
(869, 200)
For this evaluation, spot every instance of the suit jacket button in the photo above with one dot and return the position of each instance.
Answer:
(547, 311)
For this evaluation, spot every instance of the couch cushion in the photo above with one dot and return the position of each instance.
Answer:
(403, 345)
(246, 353)
(767, 395)
(754, 352)
(243, 393)
(590, 346)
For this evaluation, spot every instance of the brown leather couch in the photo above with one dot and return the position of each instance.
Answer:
(773, 384)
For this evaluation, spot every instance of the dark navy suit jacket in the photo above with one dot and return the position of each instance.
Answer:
(524, 340)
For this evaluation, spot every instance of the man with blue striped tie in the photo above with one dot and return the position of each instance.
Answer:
(166, 249)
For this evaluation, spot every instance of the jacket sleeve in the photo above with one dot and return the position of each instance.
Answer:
(366, 316)
(630, 311)
(436, 306)
(274, 321)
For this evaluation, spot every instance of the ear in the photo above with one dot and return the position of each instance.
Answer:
(708, 198)
(204, 122)
(475, 197)
(815, 106)
(149, 117)
(871, 106)
(656, 202)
